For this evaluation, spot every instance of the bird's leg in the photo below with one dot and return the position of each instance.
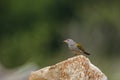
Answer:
(76, 54)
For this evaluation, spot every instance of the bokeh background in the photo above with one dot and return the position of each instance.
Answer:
(32, 34)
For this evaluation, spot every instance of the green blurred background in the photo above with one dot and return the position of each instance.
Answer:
(32, 31)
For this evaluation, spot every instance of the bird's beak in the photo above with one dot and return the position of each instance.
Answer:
(65, 41)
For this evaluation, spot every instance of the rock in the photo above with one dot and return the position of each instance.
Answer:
(75, 68)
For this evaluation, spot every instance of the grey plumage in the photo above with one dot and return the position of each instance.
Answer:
(75, 47)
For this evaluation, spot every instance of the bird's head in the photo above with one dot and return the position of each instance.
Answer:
(69, 41)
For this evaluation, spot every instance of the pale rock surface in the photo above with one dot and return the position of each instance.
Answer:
(75, 68)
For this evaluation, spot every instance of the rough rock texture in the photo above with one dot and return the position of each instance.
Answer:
(75, 68)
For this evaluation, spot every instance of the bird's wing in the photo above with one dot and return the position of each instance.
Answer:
(80, 47)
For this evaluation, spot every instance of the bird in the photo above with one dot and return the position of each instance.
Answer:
(75, 47)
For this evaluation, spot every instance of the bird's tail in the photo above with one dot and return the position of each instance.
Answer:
(87, 53)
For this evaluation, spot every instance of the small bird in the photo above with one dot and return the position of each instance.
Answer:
(75, 47)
